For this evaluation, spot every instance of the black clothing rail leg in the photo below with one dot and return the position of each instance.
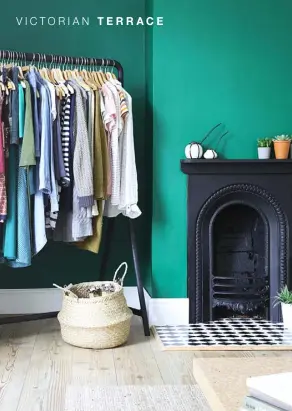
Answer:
(32, 58)
(142, 311)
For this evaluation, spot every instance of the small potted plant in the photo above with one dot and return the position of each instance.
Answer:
(284, 297)
(264, 148)
(282, 146)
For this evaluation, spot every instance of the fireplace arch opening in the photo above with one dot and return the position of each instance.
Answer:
(239, 263)
(226, 212)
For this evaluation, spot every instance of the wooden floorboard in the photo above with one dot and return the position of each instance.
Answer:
(135, 363)
(36, 366)
(49, 371)
(17, 343)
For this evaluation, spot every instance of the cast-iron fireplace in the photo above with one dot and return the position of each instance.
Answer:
(238, 237)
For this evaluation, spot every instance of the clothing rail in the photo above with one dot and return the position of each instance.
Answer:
(57, 59)
(32, 58)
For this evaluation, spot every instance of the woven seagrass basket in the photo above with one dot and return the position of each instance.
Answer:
(97, 322)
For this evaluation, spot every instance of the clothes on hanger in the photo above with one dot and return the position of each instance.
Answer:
(67, 158)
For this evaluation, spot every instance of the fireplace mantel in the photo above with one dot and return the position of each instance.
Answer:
(272, 166)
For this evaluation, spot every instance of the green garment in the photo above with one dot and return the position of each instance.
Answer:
(28, 149)
(100, 178)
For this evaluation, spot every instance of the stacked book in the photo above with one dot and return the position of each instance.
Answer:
(269, 393)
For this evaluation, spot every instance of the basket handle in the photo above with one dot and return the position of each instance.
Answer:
(121, 280)
(66, 290)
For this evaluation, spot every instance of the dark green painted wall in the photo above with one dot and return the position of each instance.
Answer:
(57, 262)
(213, 61)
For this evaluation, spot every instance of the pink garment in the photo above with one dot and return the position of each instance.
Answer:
(3, 194)
(3, 198)
(2, 141)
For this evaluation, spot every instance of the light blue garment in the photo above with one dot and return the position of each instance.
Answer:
(21, 110)
(47, 179)
(54, 201)
(23, 252)
(40, 238)
(45, 160)
(47, 183)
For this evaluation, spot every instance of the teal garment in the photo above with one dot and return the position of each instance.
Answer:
(21, 106)
(10, 234)
(23, 247)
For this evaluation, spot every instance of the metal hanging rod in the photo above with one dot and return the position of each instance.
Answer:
(58, 59)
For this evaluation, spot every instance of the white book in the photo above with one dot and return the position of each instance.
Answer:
(253, 404)
(275, 389)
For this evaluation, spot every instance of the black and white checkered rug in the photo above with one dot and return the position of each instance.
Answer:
(226, 334)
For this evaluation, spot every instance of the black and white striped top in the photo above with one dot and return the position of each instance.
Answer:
(65, 138)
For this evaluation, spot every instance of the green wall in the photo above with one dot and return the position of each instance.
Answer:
(57, 262)
(213, 61)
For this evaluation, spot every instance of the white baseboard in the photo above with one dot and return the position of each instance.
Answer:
(169, 311)
(161, 311)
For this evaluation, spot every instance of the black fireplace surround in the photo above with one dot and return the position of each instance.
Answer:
(239, 214)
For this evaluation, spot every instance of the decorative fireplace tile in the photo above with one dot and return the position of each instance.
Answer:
(227, 334)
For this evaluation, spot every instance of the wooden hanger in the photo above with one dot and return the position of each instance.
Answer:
(77, 76)
(100, 77)
(96, 79)
(64, 76)
(88, 80)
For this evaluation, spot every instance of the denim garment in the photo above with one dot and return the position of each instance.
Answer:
(14, 136)
(46, 124)
(21, 106)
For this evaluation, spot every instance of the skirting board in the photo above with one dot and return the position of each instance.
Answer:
(161, 311)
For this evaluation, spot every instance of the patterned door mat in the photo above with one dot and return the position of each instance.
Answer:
(227, 334)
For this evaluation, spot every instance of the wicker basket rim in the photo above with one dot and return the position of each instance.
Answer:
(113, 294)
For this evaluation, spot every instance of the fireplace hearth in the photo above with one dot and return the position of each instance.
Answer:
(238, 237)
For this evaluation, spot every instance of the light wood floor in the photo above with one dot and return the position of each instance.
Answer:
(36, 365)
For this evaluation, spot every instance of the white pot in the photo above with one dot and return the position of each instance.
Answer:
(287, 315)
(264, 152)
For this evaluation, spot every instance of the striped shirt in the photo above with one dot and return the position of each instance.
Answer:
(123, 103)
(65, 138)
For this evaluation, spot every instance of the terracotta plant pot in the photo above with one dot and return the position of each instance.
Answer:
(281, 148)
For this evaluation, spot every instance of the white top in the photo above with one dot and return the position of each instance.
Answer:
(124, 197)
(275, 389)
